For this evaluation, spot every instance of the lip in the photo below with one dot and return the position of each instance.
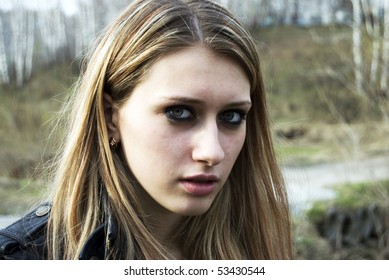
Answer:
(200, 185)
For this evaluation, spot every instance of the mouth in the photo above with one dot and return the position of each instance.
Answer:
(200, 185)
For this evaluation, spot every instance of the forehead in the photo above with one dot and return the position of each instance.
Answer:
(200, 69)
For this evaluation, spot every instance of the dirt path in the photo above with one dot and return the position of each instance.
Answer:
(310, 183)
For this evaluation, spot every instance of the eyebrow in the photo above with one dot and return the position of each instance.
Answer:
(185, 99)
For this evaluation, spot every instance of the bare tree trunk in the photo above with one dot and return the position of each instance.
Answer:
(85, 25)
(61, 33)
(367, 11)
(252, 7)
(357, 46)
(296, 11)
(263, 11)
(376, 31)
(288, 11)
(4, 75)
(30, 43)
(44, 25)
(78, 36)
(91, 26)
(385, 50)
(18, 25)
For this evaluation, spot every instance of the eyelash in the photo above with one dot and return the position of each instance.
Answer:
(171, 115)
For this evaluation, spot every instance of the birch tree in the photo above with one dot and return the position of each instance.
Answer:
(385, 51)
(85, 26)
(363, 73)
(373, 28)
(59, 32)
(4, 75)
(357, 46)
(376, 15)
(48, 29)
(19, 30)
(288, 11)
(30, 42)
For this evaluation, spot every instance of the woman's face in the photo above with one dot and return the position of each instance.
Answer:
(183, 128)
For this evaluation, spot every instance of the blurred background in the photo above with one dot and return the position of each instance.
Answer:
(325, 65)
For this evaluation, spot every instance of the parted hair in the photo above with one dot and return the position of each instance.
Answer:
(249, 218)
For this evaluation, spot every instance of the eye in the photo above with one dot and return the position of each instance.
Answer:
(234, 117)
(179, 113)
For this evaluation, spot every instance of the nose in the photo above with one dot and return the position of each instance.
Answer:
(207, 147)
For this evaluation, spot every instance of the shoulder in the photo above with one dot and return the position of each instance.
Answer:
(26, 238)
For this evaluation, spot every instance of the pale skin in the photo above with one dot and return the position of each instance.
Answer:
(182, 130)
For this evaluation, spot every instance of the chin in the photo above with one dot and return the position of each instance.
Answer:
(193, 210)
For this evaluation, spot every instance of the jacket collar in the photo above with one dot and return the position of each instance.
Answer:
(94, 247)
(100, 241)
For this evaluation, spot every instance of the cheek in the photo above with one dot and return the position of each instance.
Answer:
(234, 144)
(151, 143)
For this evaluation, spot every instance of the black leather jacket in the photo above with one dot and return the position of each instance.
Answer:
(25, 239)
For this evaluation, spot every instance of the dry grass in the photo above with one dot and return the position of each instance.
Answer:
(17, 196)
(25, 119)
(324, 142)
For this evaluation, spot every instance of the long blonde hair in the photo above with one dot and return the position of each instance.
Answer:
(249, 219)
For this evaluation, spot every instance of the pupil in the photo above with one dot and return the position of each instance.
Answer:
(229, 116)
(177, 112)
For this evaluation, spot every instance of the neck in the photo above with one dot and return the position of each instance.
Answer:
(164, 224)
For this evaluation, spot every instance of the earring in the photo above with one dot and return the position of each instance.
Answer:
(113, 143)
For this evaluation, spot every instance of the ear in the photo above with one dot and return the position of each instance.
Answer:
(111, 118)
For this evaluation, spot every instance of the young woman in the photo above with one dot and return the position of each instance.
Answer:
(168, 152)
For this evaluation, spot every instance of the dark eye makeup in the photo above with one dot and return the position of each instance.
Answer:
(183, 113)
(233, 117)
(179, 113)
